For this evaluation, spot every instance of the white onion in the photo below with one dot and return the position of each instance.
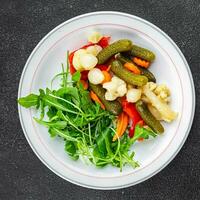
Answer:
(76, 59)
(95, 76)
(88, 61)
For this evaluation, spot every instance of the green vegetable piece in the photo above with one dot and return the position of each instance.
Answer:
(101, 144)
(142, 53)
(141, 132)
(123, 73)
(71, 149)
(149, 119)
(113, 106)
(56, 124)
(112, 49)
(148, 74)
(76, 76)
(29, 101)
(145, 72)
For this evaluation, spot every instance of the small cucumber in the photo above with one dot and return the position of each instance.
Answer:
(142, 53)
(112, 49)
(149, 119)
(145, 72)
(113, 106)
(123, 73)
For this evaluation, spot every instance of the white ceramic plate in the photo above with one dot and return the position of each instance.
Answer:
(170, 67)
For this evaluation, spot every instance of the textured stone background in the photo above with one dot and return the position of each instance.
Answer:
(22, 25)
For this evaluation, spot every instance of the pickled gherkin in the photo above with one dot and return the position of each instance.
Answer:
(149, 119)
(145, 72)
(123, 73)
(113, 106)
(143, 53)
(112, 49)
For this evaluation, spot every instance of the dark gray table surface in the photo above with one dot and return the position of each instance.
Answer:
(22, 25)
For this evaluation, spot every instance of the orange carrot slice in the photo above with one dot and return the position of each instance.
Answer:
(95, 98)
(140, 62)
(122, 124)
(85, 84)
(132, 67)
(107, 76)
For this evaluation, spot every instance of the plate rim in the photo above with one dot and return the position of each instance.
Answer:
(188, 71)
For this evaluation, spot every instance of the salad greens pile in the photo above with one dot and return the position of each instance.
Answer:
(86, 128)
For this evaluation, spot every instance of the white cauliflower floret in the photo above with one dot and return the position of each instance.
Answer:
(109, 96)
(152, 86)
(95, 37)
(115, 88)
(133, 95)
(161, 91)
(162, 88)
(162, 107)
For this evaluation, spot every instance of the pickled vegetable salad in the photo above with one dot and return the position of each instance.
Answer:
(110, 101)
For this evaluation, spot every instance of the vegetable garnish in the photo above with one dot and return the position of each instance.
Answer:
(107, 101)
(122, 124)
(95, 98)
(132, 67)
(140, 62)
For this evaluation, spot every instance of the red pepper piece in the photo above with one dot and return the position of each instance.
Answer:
(102, 67)
(104, 42)
(84, 75)
(87, 45)
(71, 66)
(131, 111)
(131, 131)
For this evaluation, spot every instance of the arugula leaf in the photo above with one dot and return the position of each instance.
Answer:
(51, 112)
(69, 91)
(71, 149)
(141, 132)
(56, 124)
(52, 132)
(29, 101)
(76, 76)
(101, 142)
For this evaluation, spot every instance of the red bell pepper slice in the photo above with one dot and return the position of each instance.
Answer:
(104, 42)
(131, 111)
(87, 45)
(71, 66)
(102, 67)
(84, 75)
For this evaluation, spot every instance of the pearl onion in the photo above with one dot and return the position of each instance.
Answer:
(76, 59)
(88, 61)
(95, 76)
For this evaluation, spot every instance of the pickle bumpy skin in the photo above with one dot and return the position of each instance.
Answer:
(112, 49)
(142, 53)
(145, 72)
(123, 73)
(149, 119)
